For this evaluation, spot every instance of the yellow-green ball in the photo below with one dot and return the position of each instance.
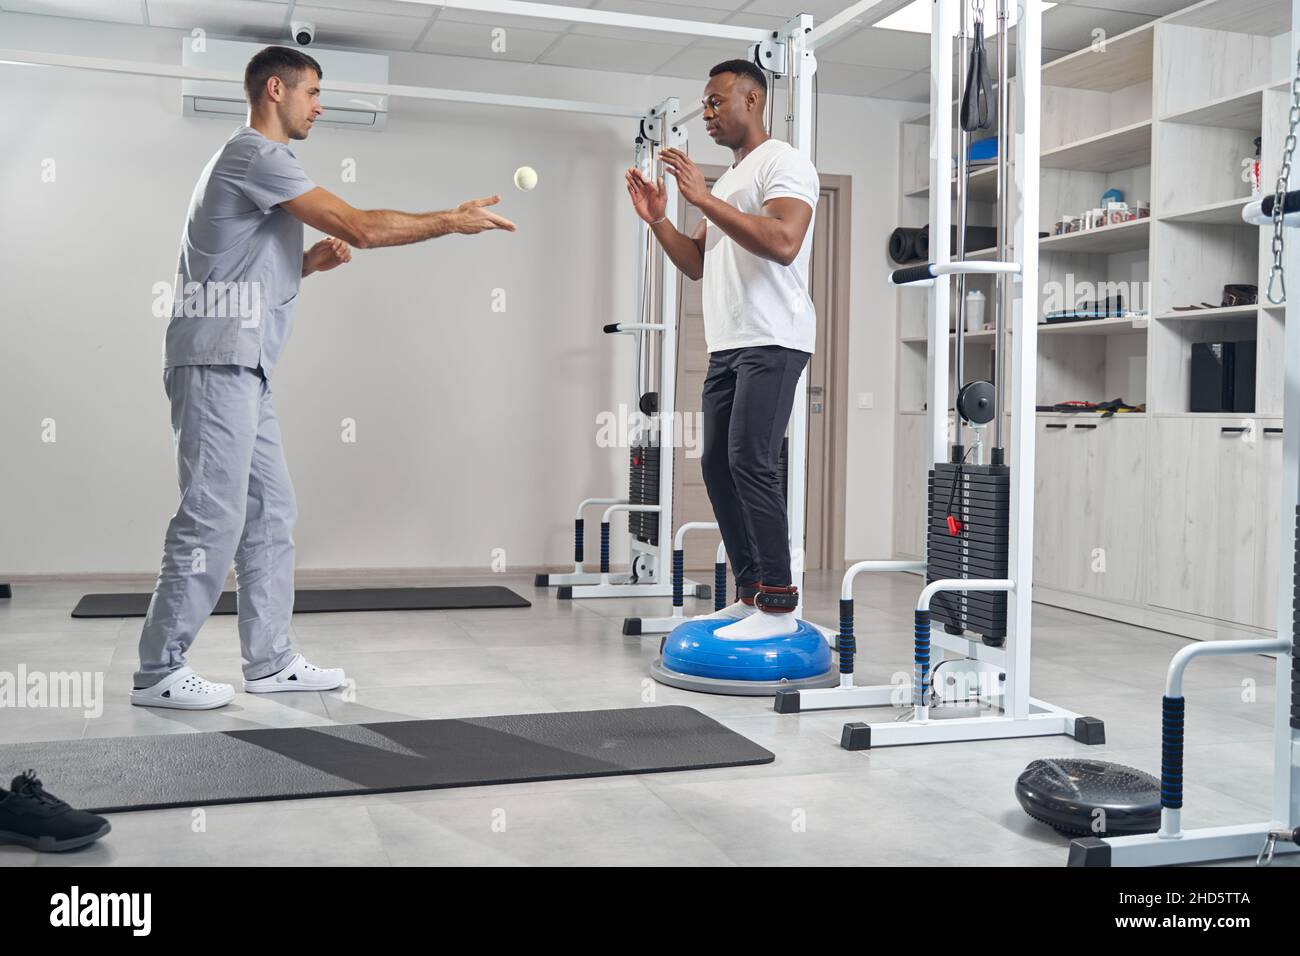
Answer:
(525, 178)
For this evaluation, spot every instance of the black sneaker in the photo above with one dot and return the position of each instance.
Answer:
(32, 817)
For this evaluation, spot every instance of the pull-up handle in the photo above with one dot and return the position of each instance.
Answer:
(911, 274)
(1260, 212)
(930, 270)
(977, 111)
(633, 327)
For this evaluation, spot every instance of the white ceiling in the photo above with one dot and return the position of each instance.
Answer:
(866, 62)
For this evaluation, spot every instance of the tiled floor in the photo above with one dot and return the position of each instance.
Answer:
(817, 804)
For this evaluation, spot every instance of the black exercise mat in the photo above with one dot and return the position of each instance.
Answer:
(117, 774)
(326, 600)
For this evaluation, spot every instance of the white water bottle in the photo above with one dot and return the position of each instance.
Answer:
(974, 310)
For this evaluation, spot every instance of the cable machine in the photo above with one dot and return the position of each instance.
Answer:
(979, 563)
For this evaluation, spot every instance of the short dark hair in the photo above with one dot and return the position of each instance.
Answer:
(279, 61)
(742, 68)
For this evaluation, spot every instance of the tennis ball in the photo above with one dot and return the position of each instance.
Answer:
(525, 178)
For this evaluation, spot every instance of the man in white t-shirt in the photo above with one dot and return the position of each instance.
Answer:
(752, 249)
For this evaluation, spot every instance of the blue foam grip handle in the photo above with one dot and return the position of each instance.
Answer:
(679, 572)
(577, 540)
(720, 585)
(921, 657)
(604, 547)
(846, 641)
(1171, 752)
(912, 274)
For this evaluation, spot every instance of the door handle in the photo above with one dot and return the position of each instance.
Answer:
(1272, 431)
(1057, 425)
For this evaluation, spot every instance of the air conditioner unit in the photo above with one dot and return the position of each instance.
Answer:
(223, 100)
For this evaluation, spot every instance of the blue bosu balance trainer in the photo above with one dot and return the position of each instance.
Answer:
(693, 657)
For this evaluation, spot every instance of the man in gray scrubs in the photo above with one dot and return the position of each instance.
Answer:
(241, 262)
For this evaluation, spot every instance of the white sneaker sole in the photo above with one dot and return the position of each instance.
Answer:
(255, 688)
(150, 700)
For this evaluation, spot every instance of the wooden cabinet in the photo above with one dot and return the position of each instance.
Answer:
(1202, 543)
(1111, 457)
(911, 483)
(1089, 485)
(1172, 522)
(910, 477)
(1054, 473)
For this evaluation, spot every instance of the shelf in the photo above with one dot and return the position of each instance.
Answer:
(1121, 237)
(984, 336)
(1252, 416)
(1243, 111)
(983, 186)
(1224, 213)
(1125, 61)
(1087, 416)
(1115, 326)
(1259, 17)
(1223, 312)
(1122, 148)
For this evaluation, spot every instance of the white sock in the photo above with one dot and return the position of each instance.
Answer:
(732, 612)
(758, 625)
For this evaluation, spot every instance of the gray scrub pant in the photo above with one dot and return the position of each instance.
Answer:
(237, 506)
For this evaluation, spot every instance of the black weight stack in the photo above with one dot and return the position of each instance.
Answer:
(643, 489)
(978, 498)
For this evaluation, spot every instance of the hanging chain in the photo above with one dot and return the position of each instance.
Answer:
(1276, 275)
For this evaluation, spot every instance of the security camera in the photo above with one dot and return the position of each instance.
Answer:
(304, 31)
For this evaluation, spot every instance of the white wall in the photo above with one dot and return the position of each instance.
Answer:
(476, 430)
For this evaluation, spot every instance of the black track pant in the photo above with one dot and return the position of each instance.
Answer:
(748, 395)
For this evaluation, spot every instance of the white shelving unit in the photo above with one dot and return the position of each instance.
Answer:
(1156, 518)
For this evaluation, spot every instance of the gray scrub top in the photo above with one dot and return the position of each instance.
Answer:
(240, 263)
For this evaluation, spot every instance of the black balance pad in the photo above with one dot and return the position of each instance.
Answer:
(118, 774)
(325, 600)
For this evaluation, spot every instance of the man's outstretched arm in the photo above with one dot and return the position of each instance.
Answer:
(373, 228)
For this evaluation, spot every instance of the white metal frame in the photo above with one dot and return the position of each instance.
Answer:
(663, 625)
(1172, 844)
(796, 56)
(649, 571)
(1011, 711)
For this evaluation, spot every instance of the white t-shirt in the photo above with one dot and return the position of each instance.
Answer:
(749, 300)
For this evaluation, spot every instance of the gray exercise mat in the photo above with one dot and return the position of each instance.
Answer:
(327, 600)
(117, 774)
